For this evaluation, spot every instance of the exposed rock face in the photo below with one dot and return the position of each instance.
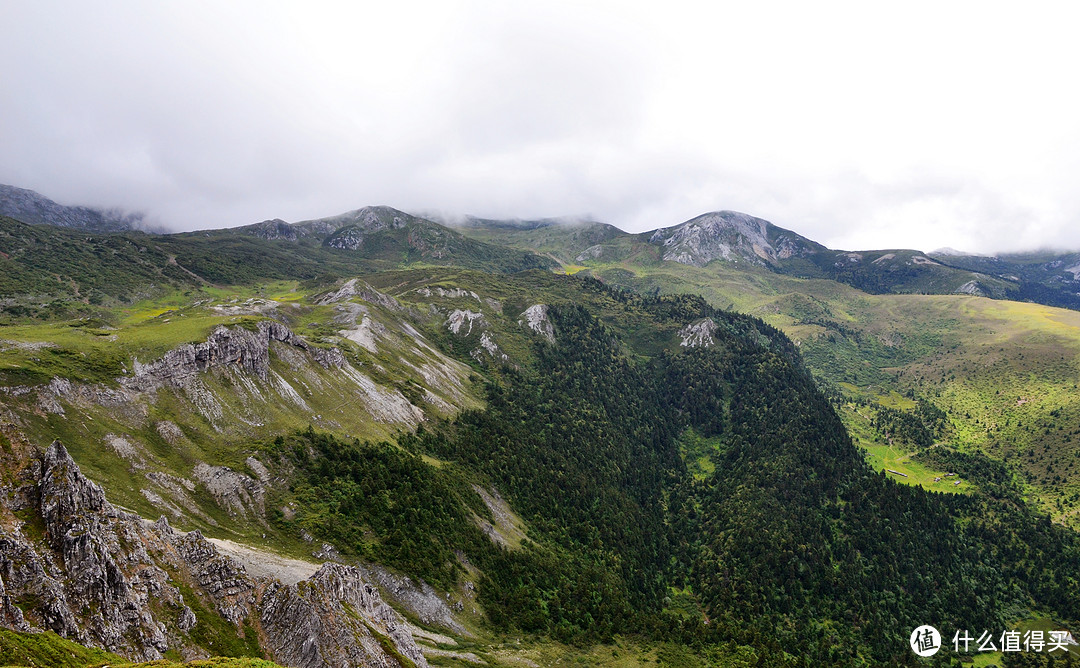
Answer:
(508, 528)
(108, 579)
(418, 598)
(453, 293)
(590, 253)
(235, 492)
(459, 318)
(334, 619)
(698, 334)
(487, 344)
(536, 317)
(971, 288)
(347, 238)
(249, 350)
(731, 236)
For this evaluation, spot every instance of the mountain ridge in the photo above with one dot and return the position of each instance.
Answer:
(650, 448)
(721, 235)
(34, 208)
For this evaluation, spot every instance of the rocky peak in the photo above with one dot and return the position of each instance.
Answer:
(67, 496)
(729, 236)
(274, 230)
(367, 219)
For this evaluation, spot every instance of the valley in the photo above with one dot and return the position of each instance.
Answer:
(370, 438)
(1003, 371)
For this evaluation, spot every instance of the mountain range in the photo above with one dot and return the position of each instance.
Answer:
(374, 439)
(1050, 277)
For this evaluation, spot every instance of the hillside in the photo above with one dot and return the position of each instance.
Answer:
(49, 272)
(392, 237)
(1001, 371)
(540, 454)
(1048, 277)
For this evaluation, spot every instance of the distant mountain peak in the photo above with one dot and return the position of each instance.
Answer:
(730, 236)
(524, 223)
(952, 252)
(33, 208)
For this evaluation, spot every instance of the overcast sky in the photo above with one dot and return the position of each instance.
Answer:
(860, 125)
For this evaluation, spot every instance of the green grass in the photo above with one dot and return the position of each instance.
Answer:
(49, 650)
(697, 452)
(882, 456)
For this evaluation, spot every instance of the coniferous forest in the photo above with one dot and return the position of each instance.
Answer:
(790, 543)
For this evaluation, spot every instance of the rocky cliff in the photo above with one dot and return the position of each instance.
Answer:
(73, 563)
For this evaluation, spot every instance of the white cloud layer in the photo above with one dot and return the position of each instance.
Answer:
(857, 124)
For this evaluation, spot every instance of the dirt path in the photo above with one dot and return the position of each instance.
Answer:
(261, 563)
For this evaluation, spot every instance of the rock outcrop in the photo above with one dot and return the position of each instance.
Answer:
(336, 618)
(244, 348)
(698, 334)
(536, 317)
(463, 318)
(72, 563)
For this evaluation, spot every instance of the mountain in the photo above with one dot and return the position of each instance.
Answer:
(886, 330)
(383, 233)
(1046, 277)
(737, 238)
(332, 455)
(732, 237)
(49, 268)
(560, 240)
(29, 207)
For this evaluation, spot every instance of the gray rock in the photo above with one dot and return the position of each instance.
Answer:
(730, 236)
(96, 570)
(249, 350)
(311, 627)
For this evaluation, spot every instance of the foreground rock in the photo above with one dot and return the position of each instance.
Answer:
(72, 563)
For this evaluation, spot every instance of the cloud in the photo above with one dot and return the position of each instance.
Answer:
(854, 124)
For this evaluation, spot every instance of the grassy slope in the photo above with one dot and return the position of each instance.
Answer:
(47, 650)
(95, 353)
(53, 273)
